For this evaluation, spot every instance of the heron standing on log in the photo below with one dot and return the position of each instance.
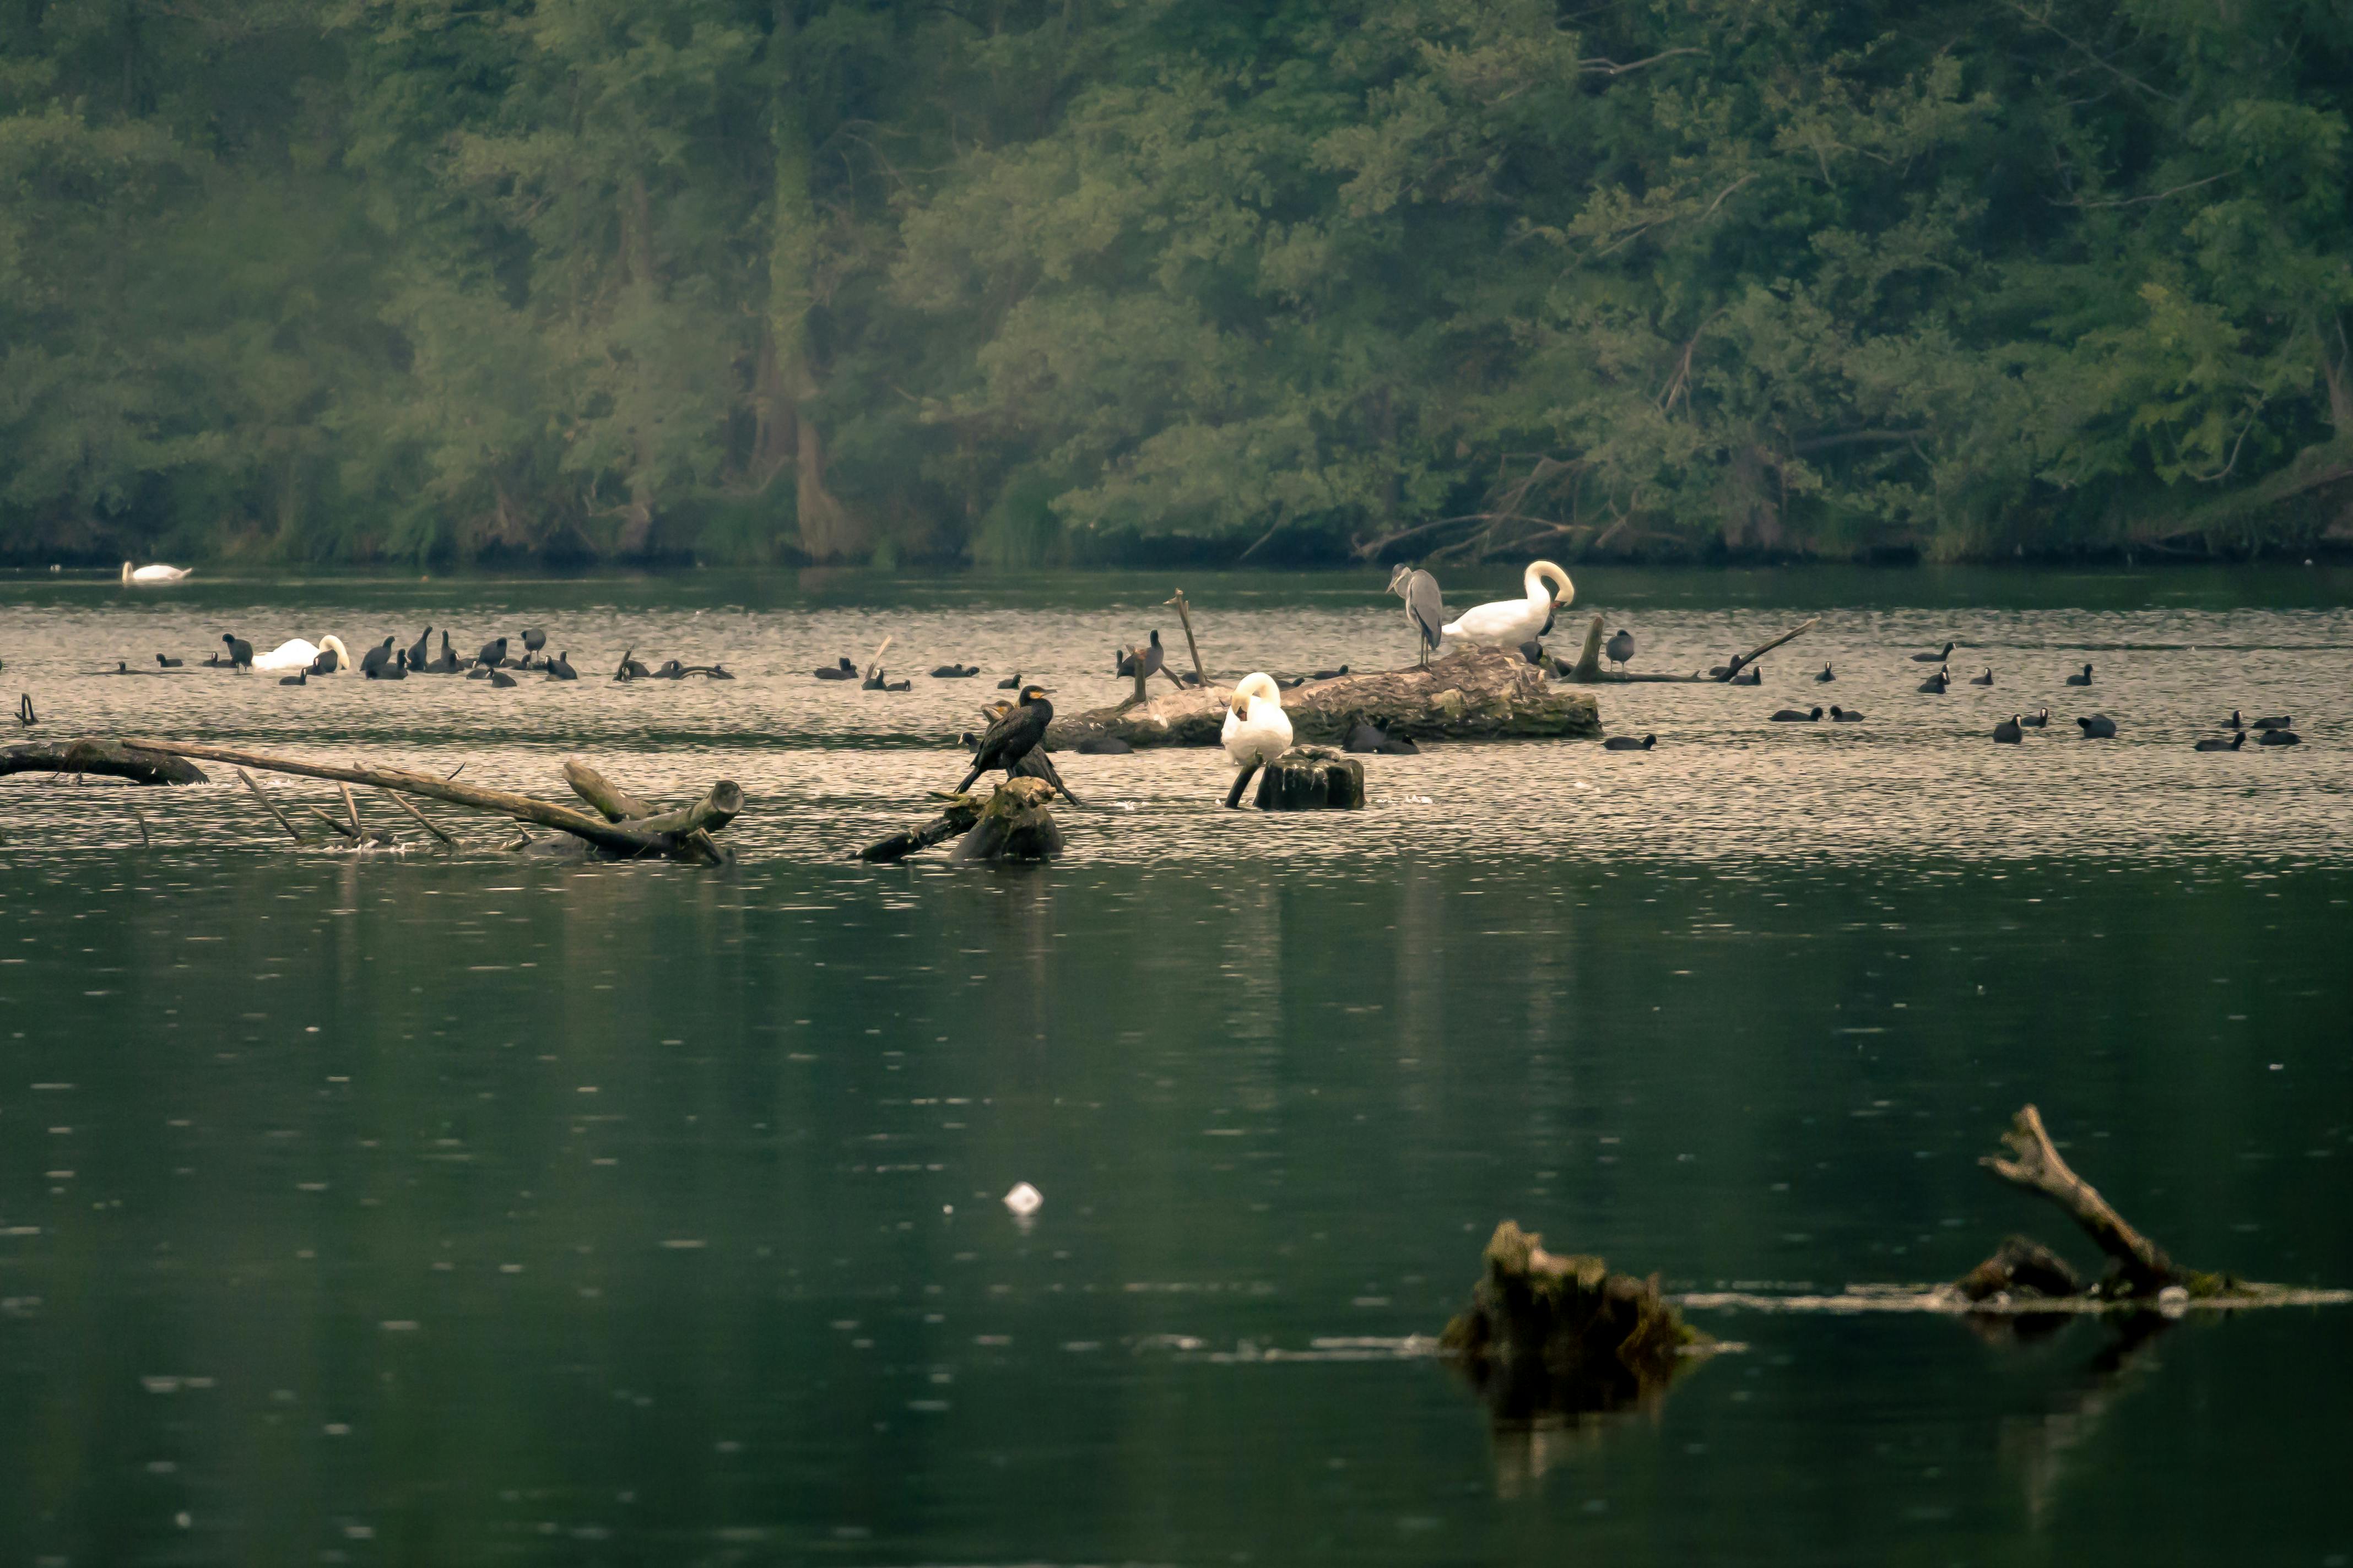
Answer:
(1424, 607)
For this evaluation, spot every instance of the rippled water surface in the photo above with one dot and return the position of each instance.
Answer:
(432, 1207)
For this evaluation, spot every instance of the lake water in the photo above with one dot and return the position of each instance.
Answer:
(469, 1207)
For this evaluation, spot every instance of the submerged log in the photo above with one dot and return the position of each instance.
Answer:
(1480, 693)
(1551, 1334)
(108, 759)
(1312, 778)
(2140, 1266)
(1588, 669)
(625, 839)
(1013, 826)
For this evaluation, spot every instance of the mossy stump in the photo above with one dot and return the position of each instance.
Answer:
(1552, 1334)
(1312, 778)
(1013, 826)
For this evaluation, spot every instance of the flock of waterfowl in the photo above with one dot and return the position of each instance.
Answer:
(1256, 729)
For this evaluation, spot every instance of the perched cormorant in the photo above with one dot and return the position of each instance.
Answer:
(2009, 732)
(1628, 743)
(1794, 716)
(2237, 742)
(1619, 647)
(1825, 676)
(2098, 727)
(1013, 737)
(843, 670)
(2082, 680)
(1935, 658)
(240, 652)
(1844, 715)
(2038, 720)
(1937, 683)
(2279, 738)
(167, 663)
(1425, 608)
(559, 668)
(1985, 679)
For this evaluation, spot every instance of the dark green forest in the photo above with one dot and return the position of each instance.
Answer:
(438, 281)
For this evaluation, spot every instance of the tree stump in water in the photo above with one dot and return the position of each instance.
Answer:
(1548, 1334)
(1014, 825)
(1312, 778)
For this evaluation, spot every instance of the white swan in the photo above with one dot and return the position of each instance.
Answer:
(301, 655)
(1508, 622)
(1257, 730)
(151, 575)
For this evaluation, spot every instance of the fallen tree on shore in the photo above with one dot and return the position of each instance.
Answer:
(1476, 694)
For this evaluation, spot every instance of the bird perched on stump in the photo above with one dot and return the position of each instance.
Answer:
(1013, 737)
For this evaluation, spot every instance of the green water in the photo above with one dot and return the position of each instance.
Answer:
(462, 1209)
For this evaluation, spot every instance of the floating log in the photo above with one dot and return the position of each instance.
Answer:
(1013, 826)
(1588, 669)
(1550, 1334)
(1312, 778)
(1479, 693)
(672, 836)
(108, 759)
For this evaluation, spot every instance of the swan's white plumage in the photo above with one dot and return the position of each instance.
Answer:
(299, 655)
(152, 574)
(1257, 730)
(1508, 622)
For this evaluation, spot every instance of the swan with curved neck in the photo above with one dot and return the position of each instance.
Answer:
(1508, 622)
(301, 655)
(153, 574)
(1257, 730)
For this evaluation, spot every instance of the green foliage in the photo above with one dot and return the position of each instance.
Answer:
(770, 280)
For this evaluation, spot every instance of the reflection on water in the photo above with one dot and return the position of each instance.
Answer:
(450, 1208)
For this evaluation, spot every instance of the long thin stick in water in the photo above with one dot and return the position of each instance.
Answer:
(271, 806)
(422, 821)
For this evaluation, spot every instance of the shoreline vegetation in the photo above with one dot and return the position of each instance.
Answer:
(766, 282)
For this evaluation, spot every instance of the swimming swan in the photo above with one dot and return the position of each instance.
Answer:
(1508, 622)
(301, 655)
(153, 574)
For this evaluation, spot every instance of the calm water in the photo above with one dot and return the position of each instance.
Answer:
(463, 1209)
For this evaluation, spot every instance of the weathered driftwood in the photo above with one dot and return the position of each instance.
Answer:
(2140, 1266)
(108, 759)
(1548, 1334)
(1013, 826)
(1588, 669)
(1481, 693)
(621, 838)
(1312, 778)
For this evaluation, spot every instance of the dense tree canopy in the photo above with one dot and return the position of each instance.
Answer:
(770, 279)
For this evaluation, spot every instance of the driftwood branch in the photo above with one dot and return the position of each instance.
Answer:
(104, 758)
(2033, 1163)
(615, 838)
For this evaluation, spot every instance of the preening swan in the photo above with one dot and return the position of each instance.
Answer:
(1508, 622)
(301, 655)
(151, 575)
(1257, 730)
